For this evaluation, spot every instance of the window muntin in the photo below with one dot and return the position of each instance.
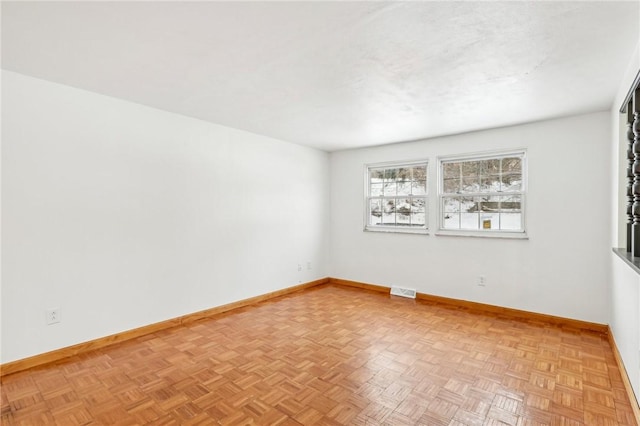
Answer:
(483, 193)
(397, 197)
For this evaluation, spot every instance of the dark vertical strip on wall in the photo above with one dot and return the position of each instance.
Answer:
(630, 177)
(636, 173)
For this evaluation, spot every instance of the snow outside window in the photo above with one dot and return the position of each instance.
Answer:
(396, 198)
(483, 194)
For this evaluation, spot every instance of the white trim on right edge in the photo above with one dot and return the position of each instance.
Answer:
(633, 400)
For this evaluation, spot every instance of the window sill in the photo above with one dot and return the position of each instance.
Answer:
(484, 234)
(628, 258)
(397, 230)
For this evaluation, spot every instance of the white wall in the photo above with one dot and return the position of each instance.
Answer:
(122, 215)
(560, 270)
(625, 318)
(624, 283)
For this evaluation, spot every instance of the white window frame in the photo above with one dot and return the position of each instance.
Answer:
(492, 233)
(367, 198)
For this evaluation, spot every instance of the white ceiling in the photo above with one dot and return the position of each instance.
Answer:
(333, 75)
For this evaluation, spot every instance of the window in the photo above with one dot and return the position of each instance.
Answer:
(483, 194)
(396, 197)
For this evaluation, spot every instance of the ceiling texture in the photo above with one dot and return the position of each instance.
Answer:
(333, 75)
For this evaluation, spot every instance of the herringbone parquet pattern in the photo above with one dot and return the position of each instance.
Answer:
(334, 356)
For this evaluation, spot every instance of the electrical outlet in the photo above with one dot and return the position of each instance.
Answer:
(482, 280)
(309, 266)
(299, 267)
(52, 316)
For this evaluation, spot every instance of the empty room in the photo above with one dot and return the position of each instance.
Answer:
(320, 213)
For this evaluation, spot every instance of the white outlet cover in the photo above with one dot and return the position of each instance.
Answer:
(52, 316)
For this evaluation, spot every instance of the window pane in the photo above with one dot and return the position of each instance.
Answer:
(493, 199)
(375, 212)
(376, 190)
(511, 221)
(451, 186)
(418, 180)
(470, 184)
(511, 182)
(390, 174)
(419, 173)
(404, 187)
(418, 187)
(403, 181)
(471, 168)
(451, 221)
(469, 220)
(451, 170)
(511, 174)
(451, 204)
(511, 203)
(403, 220)
(490, 168)
(403, 212)
(390, 182)
(376, 175)
(418, 205)
(489, 220)
(490, 183)
(418, 219)
(389, 213)
(389, 188)
(511, 207)
(510, 212)
(469, 204)
(512, 165)
(483, 168)
(403, 206)
(403, 174)
(488, 204)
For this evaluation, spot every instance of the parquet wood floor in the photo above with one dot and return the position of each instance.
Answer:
(333, 356)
